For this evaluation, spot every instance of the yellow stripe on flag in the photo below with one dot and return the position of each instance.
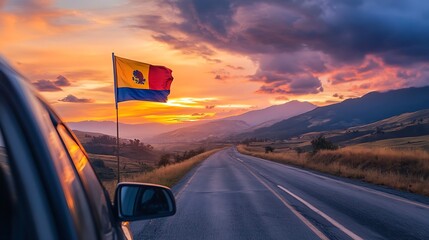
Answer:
(132, 74)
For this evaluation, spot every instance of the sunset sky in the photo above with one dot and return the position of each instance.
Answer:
(227, 56)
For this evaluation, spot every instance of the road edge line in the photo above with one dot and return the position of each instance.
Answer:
(322, 214)
(362, 188)
(177, 196)
(293, 210)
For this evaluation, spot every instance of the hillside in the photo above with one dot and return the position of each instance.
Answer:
(372, 107)
(273, 114)
(224, 128)
(130, 131)
(210, 131)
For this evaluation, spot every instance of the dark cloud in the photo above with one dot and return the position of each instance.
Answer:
(414, 77)
(282, 98)
(307, 37)
(365, 86)
(290, 73)
(340, 96)
(235, 67)
(213, 60)
(343, 77)
(371, 65)
(185, 45)
(210, 106)
(198, 114)
(404, 74)
(62, 81)
(52, 86)
(221, 74)
(345, 30)
(72, 99)
(46, 86)
(299, 85)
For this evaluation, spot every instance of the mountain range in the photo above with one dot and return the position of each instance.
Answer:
(284, 121)
(224, 128)
(129, 131)
(273, 114)
(188, 132)
(372, 107)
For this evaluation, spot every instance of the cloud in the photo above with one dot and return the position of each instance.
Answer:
(73, 99)
(31, 20)
(210, 106)
(221, 74)
(307, 37)
(188, 47)
(62, 81)
(371, 65)
(46, 86)
(52, 86)
(340, 96)
(343, 77)
(305, 84)
(218, 77)
(235, 67)
(282, 98)
(290, 73)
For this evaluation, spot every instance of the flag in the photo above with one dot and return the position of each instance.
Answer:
(141, 81)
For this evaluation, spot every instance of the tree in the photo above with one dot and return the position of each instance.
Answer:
(269, 149)
(298, 150)
(165, 160)
(320, 143)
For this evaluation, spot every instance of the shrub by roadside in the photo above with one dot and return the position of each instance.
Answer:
(406, 169)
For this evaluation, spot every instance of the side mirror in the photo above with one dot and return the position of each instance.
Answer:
(138, 201)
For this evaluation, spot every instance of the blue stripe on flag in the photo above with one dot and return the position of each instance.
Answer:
(126, 94)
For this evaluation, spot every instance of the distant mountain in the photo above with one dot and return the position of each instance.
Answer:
(413, 124)
(129, 131)
(221, 129)
(274, 113)
(210, 131)
(369, 108)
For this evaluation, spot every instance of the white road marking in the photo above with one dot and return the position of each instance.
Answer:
(376, 192)
(302, 218)
(187, 184)
(324, 215)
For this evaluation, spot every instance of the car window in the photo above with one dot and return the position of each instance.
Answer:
(96, 195)
(67, 176)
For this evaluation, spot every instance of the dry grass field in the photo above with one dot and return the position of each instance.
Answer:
(402, 169)
(407, 143)
(167, 176)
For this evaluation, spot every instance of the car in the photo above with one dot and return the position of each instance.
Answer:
(48, 187)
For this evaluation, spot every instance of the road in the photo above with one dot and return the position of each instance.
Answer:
(235, 196)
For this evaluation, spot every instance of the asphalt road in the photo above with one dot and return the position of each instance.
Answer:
(234, 196)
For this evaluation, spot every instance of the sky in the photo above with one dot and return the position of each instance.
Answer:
(227, 56)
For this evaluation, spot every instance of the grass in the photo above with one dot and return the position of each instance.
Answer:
(406, 143)
(402, 169)
(167, 176)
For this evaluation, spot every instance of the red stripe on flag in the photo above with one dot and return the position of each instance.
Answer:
(160, 78)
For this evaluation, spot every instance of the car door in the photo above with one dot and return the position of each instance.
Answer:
(43, 185)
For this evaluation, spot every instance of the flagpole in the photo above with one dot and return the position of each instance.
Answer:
(117, 117)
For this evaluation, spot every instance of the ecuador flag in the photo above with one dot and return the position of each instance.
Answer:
(141, 81)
